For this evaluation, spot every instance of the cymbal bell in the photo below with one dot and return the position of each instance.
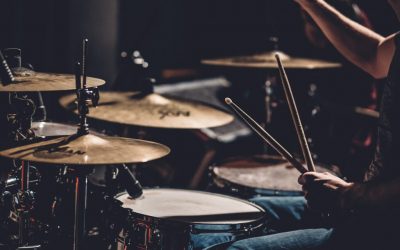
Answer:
(152, 110)
(30, 81)
(88, 150)
(267, 61)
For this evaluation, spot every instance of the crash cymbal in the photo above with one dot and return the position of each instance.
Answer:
(152, 110)
(267, 61)
(46, 129)
(88, 150)
(35, 81)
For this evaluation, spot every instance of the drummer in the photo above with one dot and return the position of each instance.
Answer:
(361, 215)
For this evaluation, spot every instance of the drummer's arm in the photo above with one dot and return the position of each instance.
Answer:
(368, 50)
(326, 191)
(381, 195)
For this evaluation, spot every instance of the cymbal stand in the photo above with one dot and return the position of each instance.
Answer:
(269, 102)
(85, 95)
(20, 121)
(269, 89)
(80, 206)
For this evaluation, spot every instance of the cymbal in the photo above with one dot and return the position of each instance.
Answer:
(46, 129)
(88, 150)
(267, 61)
(35, 81)
(152, 110)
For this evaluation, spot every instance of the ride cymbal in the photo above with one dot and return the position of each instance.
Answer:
(152, 110)
(88, 150)
(35, 81)
(267, 61)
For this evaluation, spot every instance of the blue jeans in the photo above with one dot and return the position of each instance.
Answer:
(291, 226)
(282, 214)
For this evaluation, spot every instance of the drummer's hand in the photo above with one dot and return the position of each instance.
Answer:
(324, 192)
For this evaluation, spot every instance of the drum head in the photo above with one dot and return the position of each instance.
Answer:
(192, 207)
(262, 172)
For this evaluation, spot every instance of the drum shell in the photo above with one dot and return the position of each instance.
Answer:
(149, 232)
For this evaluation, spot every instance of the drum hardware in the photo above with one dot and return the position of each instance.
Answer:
(183, 214)
(21, 119)
(5, 72)
(129, 181)
(82, 151)
(14, 57)
(20, 123)
(84, 96)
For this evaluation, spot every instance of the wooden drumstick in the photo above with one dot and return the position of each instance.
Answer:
(266, 136)
(295, 116)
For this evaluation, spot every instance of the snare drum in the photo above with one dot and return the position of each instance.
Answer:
(258, 175)
(168, 218)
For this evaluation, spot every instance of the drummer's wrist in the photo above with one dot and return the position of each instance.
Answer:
(351, 196)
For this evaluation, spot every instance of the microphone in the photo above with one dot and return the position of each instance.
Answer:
(128, 180)
(5, 71)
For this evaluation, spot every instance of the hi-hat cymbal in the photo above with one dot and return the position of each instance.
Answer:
(35, 81)
(152, 110)
(267, 61)
(88, 150)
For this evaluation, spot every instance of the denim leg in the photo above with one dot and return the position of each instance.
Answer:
(203, 241)
(282, 214)
(314, 239)
(287, 213)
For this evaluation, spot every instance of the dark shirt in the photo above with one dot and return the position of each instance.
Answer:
(386, 164)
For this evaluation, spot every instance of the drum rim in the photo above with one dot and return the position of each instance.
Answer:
(191, 225)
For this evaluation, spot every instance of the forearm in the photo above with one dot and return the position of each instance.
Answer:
(372, 195)
(357, 43)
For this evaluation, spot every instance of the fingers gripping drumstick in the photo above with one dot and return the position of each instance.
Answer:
(266, 136)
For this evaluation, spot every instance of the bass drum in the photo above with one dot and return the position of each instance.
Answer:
(168, 218)
(259, 175)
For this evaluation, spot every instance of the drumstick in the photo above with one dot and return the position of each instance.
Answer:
(266, 136)
(295, 116)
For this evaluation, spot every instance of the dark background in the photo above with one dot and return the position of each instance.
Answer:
(170, 34)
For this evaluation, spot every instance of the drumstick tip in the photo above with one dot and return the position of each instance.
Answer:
(228, 101)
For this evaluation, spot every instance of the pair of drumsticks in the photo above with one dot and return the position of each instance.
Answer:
(296, 120)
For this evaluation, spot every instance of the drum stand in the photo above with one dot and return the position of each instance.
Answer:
(21, 131)
(80, 207)
(84, 96)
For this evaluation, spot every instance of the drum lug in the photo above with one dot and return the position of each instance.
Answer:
(156, 238)
(145, 236)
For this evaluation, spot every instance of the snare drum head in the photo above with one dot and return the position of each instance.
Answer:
(261, 172)
(192, 207)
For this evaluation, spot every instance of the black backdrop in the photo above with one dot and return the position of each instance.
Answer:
(174, 33)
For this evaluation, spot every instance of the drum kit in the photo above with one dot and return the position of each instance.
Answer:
(150, 218)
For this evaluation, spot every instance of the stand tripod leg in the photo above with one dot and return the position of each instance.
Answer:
(23, 217)
(80, 212)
